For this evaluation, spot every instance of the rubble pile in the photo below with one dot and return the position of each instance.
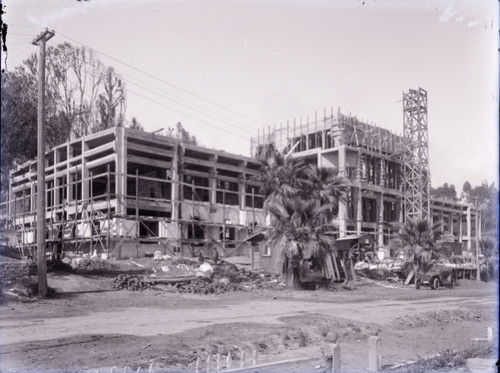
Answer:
(183, 260)
(206, 286)
(89, 265)
(228, 278)
(130, 282)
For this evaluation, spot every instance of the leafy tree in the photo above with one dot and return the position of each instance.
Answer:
(445, 192)
(466, 189)
(112, 102)
(18, 135)
(489, 264)
(135, 124)
(181, 134)
(485, 197)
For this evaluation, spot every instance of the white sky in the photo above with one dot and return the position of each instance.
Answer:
(274, 61)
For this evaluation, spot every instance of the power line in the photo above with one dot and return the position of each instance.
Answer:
(170, 108)
(188, 115)
(224, 118)
(163, 81)
(187, 106)
(198, 111)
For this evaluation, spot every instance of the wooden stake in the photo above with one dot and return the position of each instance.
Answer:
(242, 363)
(254, 360)
(197, 366)
(217, 367)
(490, 334)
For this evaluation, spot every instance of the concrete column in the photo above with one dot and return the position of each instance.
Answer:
(342, 204)
(212, 184)
(242, 191)
(120, 170)
(460, 233)
(342, 161)
(380, 219)
(450, 222)
(175, 184)
(469, 233)
(359, 211)
(441, 220)
(382, 172)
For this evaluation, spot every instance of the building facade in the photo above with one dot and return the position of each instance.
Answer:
(371, 160)
(129, 193)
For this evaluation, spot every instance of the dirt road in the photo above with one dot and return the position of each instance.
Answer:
(89, 326)
(154, 321)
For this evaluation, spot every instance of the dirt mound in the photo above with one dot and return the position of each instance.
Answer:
(130, 282)
(436, 318)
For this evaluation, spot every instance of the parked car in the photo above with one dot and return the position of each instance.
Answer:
(436, 277)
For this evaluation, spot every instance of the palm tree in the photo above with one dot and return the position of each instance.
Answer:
(298, 234)
(419, 241)
(489, 265)
(301, 199)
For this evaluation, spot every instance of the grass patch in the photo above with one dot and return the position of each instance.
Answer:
(447, 359)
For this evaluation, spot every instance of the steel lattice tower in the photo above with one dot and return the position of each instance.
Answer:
(416, 177)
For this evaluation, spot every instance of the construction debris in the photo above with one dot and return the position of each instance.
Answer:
(95, 266)
(131, 283)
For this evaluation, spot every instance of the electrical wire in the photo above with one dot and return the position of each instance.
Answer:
(224, 118)
(233, 124)
(173, 109)
(161, 80)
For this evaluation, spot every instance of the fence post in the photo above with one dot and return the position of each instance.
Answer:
(490, 334)
(228, 360)
(218, 363)
(242, 364)
(208, 363)
(374, 356)
(333, 361)
(151, 367)
(254, 362)
(197, 366)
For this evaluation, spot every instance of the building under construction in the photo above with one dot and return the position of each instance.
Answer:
(387, 174)
(129, 193)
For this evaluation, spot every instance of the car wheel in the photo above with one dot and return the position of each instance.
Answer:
(435, 284)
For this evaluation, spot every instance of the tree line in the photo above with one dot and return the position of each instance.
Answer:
(485, 196)
(83, 96)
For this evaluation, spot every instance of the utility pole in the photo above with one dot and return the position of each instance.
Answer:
(40, 41)
(478, 204)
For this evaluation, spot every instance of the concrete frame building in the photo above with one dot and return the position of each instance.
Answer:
(129, 192)
(371, 159)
